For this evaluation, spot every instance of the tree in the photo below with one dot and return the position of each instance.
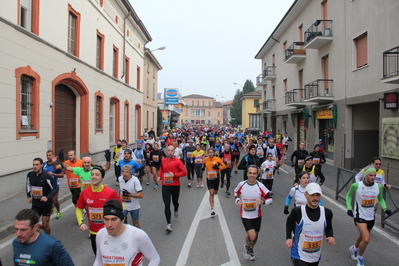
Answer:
(248, 86)
(159, 122)
(236, 109)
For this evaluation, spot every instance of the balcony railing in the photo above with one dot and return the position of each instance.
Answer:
(318, 34)
(295, 53)
(391, 65)
(319, 87)
(269, 105)
(259, 79)
(295, 97)
(269, 73)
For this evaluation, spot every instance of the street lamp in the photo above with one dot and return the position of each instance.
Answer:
(238, 85)
(160, 48)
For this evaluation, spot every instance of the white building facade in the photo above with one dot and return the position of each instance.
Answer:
(71, 74)
(325, 69)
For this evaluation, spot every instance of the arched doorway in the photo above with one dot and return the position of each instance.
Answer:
(65, 118)
(138, 121)
(81, 132)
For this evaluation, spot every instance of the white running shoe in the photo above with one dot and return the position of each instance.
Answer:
(213, 212)
(169, 228)
(245, 254)
(353, 252)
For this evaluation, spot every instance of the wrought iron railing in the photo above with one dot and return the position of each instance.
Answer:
(269, 71)
(259, 78)
(391, 62)
(269, 104)
(319, 87)
(319, 28)
(296, 48)
(294, 96)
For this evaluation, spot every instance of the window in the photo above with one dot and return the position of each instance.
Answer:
(148, 66)
(138, 77)
(219, 111)
(115, 61)
(27, 102)
(209, 113)
(197, 112)
(254, 120)
(285, 84)
(361, 50)
(148, 116)
(186, 113)
(148, 88)
(300, 32)
(100, 51)
(154, 73)
(153, 91)
(209, 103)
(256, 102)
(192, 103)
(99, 101)
(29, 15)
(197, 103)
(127, 70)
(73, 31)
(203, 103)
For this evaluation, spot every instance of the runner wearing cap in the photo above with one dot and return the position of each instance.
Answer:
(313, 170)
(305, 229)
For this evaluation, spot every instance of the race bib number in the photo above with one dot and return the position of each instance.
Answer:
(37, 192)
(86, 183)
(211, 175)
(249, 206)
(311, 246)
(368, 203)
(155, 158)
(189, 154)
(228, 164)
(316, 161)
(199, 161)
(139, 161)
(269, 175)
(114, 264)
(126, 198)
(96, 215)
(217, 153)
(168, 178)
(301, 162)
(73, 182)
(211, 139)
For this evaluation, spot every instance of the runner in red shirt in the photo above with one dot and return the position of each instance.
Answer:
(93, 199)
(280, 147)
(170, 172)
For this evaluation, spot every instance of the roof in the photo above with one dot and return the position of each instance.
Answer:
(254, 94)
(228, 103)
(197, 96)
(136, 18)
(285, 22)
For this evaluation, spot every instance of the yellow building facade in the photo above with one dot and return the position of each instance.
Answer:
(250, 117)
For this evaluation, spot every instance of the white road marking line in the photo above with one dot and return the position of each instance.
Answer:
(378, 230)
(8, 242)
(285, 171)
(204, 213)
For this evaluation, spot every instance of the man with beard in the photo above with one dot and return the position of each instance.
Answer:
(299, 156)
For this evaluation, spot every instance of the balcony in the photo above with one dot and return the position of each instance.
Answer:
(295, 98)
(295, 53)
(318, 34)
(269, 73)
(391, 66)
(260, 80)
(319, 91)
(269, 106)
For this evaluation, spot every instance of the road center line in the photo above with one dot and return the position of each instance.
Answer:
(203, 211)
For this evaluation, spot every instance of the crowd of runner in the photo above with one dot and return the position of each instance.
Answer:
(205, 156)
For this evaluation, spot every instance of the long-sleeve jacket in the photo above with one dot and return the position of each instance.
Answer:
(175, 166)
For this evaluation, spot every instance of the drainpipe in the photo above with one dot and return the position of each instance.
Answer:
(124, 43)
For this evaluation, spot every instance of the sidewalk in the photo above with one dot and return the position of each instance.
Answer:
(11, 206)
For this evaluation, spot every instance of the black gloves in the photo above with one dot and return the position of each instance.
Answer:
(286, 210)
(107, 155)
(267, 169)
(292, 164)
(388, 212)
(350, 213)
(61, 155)
(215, 166)
(203, 169)
(126, 193)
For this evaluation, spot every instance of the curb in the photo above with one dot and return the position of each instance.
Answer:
(9, 228)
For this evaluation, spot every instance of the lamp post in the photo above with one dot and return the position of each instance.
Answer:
(242, 87)
(160, 48)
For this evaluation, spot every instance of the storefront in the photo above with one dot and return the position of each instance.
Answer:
(326, 131)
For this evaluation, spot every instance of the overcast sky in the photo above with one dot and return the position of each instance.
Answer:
(210, 44)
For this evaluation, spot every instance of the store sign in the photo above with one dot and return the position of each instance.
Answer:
(165, 117)
(324, 114)
(391, 100)
(171, 96)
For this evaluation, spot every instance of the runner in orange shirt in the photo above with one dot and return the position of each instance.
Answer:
(213, 165)
(73, 180)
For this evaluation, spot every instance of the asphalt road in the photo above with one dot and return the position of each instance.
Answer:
(198, 239)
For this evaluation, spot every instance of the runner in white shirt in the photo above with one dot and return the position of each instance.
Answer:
(122, 244)
(268, 168)
(130, 193)
(297, 192)
(250, 195)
